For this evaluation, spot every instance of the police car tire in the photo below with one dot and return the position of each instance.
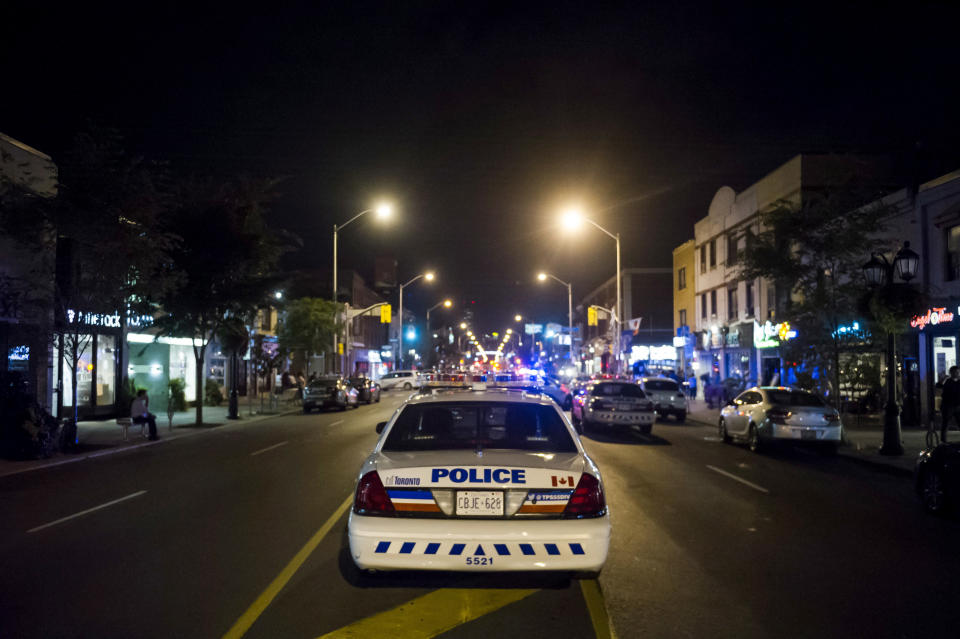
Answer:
(407, 386)
(646, 429)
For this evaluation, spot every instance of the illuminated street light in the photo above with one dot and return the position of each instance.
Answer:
(571, 219)
(383, 210)
(518, 318)
(427, 276)
(542, 276)
(463, 325)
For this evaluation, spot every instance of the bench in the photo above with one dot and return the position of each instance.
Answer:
(125, 424)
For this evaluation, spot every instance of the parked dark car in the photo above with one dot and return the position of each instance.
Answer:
(367, 389)
(938, 478)
(329, 391)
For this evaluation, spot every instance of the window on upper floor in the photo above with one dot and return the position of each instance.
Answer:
(703, 306)
(749, 299)
(713, 302)
(733, 310)
(953, 254)
(733, 252)
(681, 278)
(682, 317)
(713, 254)
(703, 258)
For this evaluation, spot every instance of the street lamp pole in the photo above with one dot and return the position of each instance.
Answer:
(543, 276)
(429, 276)
(573, 218)
(880, 271)
(383, 211)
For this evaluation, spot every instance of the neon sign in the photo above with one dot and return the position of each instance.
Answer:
(932, 317)
(771, 335)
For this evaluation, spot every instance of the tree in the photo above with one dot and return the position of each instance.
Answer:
(309, 325)
(225, 263)
(813, 253)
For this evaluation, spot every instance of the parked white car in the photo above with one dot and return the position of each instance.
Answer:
(765, 414)
(406, 380)
(667, 396)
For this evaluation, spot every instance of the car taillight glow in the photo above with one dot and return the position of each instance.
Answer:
(587, 500)
(778, 415)
(371, 497)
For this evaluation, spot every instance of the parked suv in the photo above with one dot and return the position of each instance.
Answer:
(407, 380)
(667, 397)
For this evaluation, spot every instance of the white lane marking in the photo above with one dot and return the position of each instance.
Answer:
(339, 421)
(739, 479)
(87, 511)
(712, 438)
(263, 450)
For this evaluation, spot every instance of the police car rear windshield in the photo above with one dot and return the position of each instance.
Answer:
(479, 426)
(618, 390)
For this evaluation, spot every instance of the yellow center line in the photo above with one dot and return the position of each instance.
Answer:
(592, 594)
(267, 596)
(431, 615)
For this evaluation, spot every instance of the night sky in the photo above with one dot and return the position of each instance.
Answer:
(480, 120)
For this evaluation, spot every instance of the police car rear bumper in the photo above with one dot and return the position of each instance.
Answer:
(396, 543)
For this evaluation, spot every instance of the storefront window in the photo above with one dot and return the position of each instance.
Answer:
(84, 369)
(18, 358)
(944, 356)
(953, 253)
(106, 369)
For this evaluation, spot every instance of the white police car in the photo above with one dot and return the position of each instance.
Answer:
(479, 480)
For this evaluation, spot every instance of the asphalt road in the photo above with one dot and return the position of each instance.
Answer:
(238, 529)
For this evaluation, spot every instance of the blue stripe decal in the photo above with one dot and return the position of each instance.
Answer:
(407, 547)
(502, 549)
(527, 549)
(410, 494)
(552, 549)
(479, 551)
(456, 549)
(383, 546)
(432, 549)
(577, 549)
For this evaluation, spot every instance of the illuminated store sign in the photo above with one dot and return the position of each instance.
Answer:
(770, 335)
(932, 317)
(107, 320)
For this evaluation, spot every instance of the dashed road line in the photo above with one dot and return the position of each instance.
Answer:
(256, 609)
(739, 479)
(339, 421)
(87, 511)
(268, 448)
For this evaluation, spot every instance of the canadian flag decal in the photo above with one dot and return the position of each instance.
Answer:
(562, 481)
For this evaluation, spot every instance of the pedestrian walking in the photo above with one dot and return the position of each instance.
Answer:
(140, 413)
(950, 402)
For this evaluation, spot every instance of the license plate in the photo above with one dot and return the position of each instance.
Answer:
(475, 503)
(624, 406)
(808, 434)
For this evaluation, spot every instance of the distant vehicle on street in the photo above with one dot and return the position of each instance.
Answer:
(407, 380)
(367, 389)
(937, 478)
(478, 481)
(667, 395)
(609, 404)
(765, 414)
(329, 391)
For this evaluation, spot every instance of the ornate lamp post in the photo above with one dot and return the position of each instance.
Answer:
(880, 271)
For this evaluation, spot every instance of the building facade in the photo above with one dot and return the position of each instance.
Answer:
(684, 304)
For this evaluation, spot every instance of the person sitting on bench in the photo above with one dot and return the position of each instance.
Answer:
(140, 415)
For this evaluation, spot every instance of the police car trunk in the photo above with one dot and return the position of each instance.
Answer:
(496, 484)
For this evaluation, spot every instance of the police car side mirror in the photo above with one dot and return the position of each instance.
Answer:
(381, 426)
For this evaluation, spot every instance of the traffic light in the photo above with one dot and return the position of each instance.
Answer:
(385, 314)
(591, 316)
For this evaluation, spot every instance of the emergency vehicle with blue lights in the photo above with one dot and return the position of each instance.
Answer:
(479, 480)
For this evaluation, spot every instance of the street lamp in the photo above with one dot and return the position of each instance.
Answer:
(383, 211)
(881, 272)
(427, 276)
(572, 219)
(543, 277)
(445, 303)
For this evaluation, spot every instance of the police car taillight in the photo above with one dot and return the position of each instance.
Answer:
(371, 497)
(587, 500)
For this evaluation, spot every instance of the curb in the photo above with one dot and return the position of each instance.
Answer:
(847, 453)
(121, 449)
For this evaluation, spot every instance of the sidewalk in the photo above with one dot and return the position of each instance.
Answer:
(862, 439)
(97, 438)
